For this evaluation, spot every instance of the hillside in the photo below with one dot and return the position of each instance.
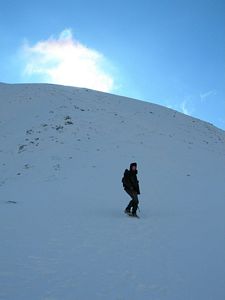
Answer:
(63, 232)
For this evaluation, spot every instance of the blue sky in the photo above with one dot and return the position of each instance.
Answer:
(166, 52)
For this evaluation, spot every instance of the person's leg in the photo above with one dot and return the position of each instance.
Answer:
(130, 205)
(135, 205)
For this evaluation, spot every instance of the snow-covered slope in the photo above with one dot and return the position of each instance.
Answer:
(63, 233)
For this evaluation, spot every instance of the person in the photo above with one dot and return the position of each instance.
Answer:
(131, 186)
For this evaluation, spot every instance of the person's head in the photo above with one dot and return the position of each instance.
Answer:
(133, 166)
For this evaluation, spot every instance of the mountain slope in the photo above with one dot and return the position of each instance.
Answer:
(63, 232)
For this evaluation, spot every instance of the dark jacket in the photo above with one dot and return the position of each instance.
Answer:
(130, 181)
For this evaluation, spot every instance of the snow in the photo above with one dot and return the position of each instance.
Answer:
(63, 233)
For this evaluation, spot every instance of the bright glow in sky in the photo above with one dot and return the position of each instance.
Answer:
(167, 52)
(66, 61)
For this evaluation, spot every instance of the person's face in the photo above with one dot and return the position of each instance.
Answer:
(134, 168)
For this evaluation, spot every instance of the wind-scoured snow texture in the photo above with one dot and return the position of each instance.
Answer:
(63, 233)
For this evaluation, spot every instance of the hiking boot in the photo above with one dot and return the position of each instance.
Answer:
(135, 215)
(127, 211)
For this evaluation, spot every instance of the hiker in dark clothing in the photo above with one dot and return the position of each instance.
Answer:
(131, 186)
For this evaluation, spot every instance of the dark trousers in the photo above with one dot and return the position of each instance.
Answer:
(134, 202)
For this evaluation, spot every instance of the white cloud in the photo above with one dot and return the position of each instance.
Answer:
(184, 108)
(66, 61)
(205, 95)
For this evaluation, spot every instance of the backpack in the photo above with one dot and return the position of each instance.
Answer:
(124, 179)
